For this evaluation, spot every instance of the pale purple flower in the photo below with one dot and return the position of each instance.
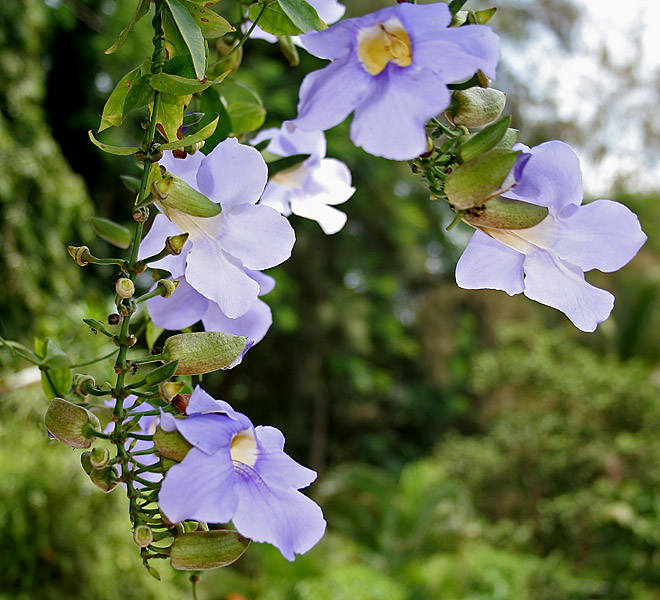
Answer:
(547, 262)
(392, 68)
(240, 473)
(222, 251)
(328, 11)
(312, 188)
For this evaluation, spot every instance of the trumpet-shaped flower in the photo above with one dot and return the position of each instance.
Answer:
(222, 251)
(547, 262)
(312, 188)
(238, 472)
(392, 68)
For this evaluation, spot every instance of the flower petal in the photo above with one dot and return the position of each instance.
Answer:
(201, 402)
(486, 263)
(283, 517)
(232, 174)
(201, 487)
(551, 178)
(266, 282)
(329, 218)
(182, 309)
(602, 235)
(391, 120)
(254, 324)
(185, 168)
(329, 95)
(329, 11)
(212, 273)
(333, 42)
(561, 285)
(154, 242)
(257, 235)
(330, 182)
(287, 141)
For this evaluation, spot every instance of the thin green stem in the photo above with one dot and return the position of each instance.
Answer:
(95, 360)
(243, 39)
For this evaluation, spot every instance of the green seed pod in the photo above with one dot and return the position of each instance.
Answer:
(289, 50)
(476, 107)
(171, 444)
(201, 550)
(205, 351)
(167, 287)
(71, 424)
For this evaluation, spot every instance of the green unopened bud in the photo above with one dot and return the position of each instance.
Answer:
(124, 287)
(476, 107)
(175, 243)
(201, 550)
(504, 213)
(80, 254)
(477, 181)
(168, 390)
(105, 479)
(289, 50)
(99, 458)
(205, 351)
(143, 536)
(174, 193)
(112, 232)
(71, 424)
(171, 444)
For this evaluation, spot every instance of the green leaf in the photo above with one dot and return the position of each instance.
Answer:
(180, 65)
(55, 382)
(141, 10)
(170, 115)
(273, 19)
(201, 135)
(476, 182)
(55, 357)
(116, 150)
(113, 111)
(483, 141)
(244, 107)
(180, 86)
(210, 22)
(112, 232)
(288, 162)
(191, 34)
(302, 15)
(139, 95)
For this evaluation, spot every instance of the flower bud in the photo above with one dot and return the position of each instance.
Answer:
(200, 550)
(105, 479)
(171, 444)
(79, 254)
(173, 193)
(175, 243)
(168, 390)
(289, 50)
(205, 351)
(475, 107)
(143, 536)
(124, 287)
(71, 424)
(99, 457)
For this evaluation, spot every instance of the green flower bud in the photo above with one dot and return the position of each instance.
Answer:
(168, 390)
(504, 213)
(205, 351)
(124, 287)
(475, 107)
(143, 536)
(171, 444)
(173, 193)
(289, 50)
(201, 550)
(71, 424)
(99, 457)
(105, 479)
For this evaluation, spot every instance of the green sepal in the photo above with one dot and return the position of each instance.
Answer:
(182, 86)
(191, 34)
(160, 374)
(484, 140)
(205, 132)
(204, 352)
(504, 213)
(481, 17)
(112, 232)
(474, 183)
(141, 10)
(179, 196)
(171, 444)
(211, 24)
(201, 550)
(302, 15)
(116, 150)
(70, 423)
(288, 162)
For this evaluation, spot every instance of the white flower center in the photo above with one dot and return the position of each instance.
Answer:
(542, 235)
(243, 447)
(382, 43)
(196, 227)
(292, 179)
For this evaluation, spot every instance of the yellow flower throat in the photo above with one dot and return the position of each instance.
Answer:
(382, 43)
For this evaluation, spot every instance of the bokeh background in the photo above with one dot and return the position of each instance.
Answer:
(470, 446)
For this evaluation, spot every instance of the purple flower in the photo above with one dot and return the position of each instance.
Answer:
(238, 472)
(222, 251)
(310, 189)
(392, 68)
(547, 262)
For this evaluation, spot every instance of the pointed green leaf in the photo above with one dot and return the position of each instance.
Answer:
(113, 111)
(273, 19)
(302, 15)
(483, 141)
(139, 95)
(116, 150)
(180, 86)
(152, 334)
(243, 105)
(170, 115)
(191, 34)
(55, 356)
(210, 22)
(200, 136)
(141, 10)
